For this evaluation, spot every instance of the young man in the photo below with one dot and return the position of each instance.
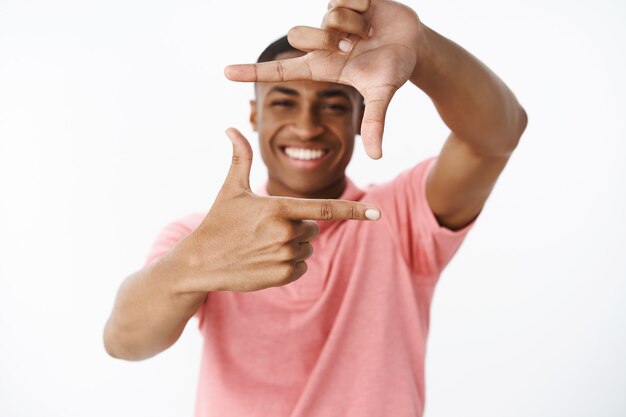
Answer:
(348, 337)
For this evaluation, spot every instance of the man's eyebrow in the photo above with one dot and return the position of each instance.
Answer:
(334, 93)
(284, 90)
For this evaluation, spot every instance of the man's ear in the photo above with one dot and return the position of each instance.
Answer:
(253, 114)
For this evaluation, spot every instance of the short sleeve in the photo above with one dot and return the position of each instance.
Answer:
(169, 236)
(426, 246)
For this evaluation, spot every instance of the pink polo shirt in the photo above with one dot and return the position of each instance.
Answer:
(346, 339)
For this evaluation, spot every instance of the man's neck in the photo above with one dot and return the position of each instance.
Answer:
(332, 191)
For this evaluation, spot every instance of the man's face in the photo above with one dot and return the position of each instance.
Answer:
(306, 134)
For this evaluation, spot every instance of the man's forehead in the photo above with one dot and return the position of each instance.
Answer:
(304, 87)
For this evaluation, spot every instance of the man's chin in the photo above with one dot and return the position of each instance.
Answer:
(306, 190)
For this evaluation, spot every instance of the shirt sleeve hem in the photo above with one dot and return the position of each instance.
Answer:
(433, 223)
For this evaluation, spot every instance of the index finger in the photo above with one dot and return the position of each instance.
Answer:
(292, 69)
(325, 209)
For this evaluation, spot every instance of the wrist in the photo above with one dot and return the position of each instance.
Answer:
(426, 58)
(185, 269)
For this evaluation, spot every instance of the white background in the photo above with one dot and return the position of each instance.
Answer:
(111, 125)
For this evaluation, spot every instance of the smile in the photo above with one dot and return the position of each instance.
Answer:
(304, 154)
(307, 158)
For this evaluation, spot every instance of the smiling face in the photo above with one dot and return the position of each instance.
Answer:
(306, 134)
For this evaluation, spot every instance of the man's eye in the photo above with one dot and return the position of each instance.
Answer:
(282, 103)
(336, 108)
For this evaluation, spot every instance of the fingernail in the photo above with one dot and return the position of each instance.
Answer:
(371, 32)
(372, 214)
(345, 45)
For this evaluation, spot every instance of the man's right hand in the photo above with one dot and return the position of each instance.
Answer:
(249, 242)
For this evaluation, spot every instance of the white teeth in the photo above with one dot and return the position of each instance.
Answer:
(304, 154)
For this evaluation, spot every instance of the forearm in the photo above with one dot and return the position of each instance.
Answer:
(473, 102)
(151, 310)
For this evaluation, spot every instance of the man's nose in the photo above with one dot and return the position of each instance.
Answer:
(306, 125)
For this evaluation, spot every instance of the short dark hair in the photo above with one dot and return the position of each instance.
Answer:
(276, 48)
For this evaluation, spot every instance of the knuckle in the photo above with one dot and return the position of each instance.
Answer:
(267, 227)
(282, 208)
(280, 70)
(298, 269)
(294, 34)
(268, 210)
(315, 229)
(256, 284)
(265, 210)
(326, 211)
(276, 208)
(310, 230)
(328, 40)
(356, 5)
(285, 273)
(301, 268)
(287, 253)
(353, 213)
(308, 250)
(333, 18)
(283, 232)
(289, 232)
(364, 25)
(241, 193)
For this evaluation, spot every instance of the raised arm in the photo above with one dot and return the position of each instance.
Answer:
(377, 46)
(485, 120)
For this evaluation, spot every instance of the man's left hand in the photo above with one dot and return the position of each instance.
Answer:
(372, 45)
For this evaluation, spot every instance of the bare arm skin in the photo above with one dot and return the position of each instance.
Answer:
(486, 123)
(245, 243)
(150, 311)
(384, 46)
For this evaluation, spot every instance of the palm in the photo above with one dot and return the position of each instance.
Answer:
(385, 60)
(377, 67)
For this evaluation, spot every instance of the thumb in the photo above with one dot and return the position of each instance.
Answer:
(373, 124)
(239, 174)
